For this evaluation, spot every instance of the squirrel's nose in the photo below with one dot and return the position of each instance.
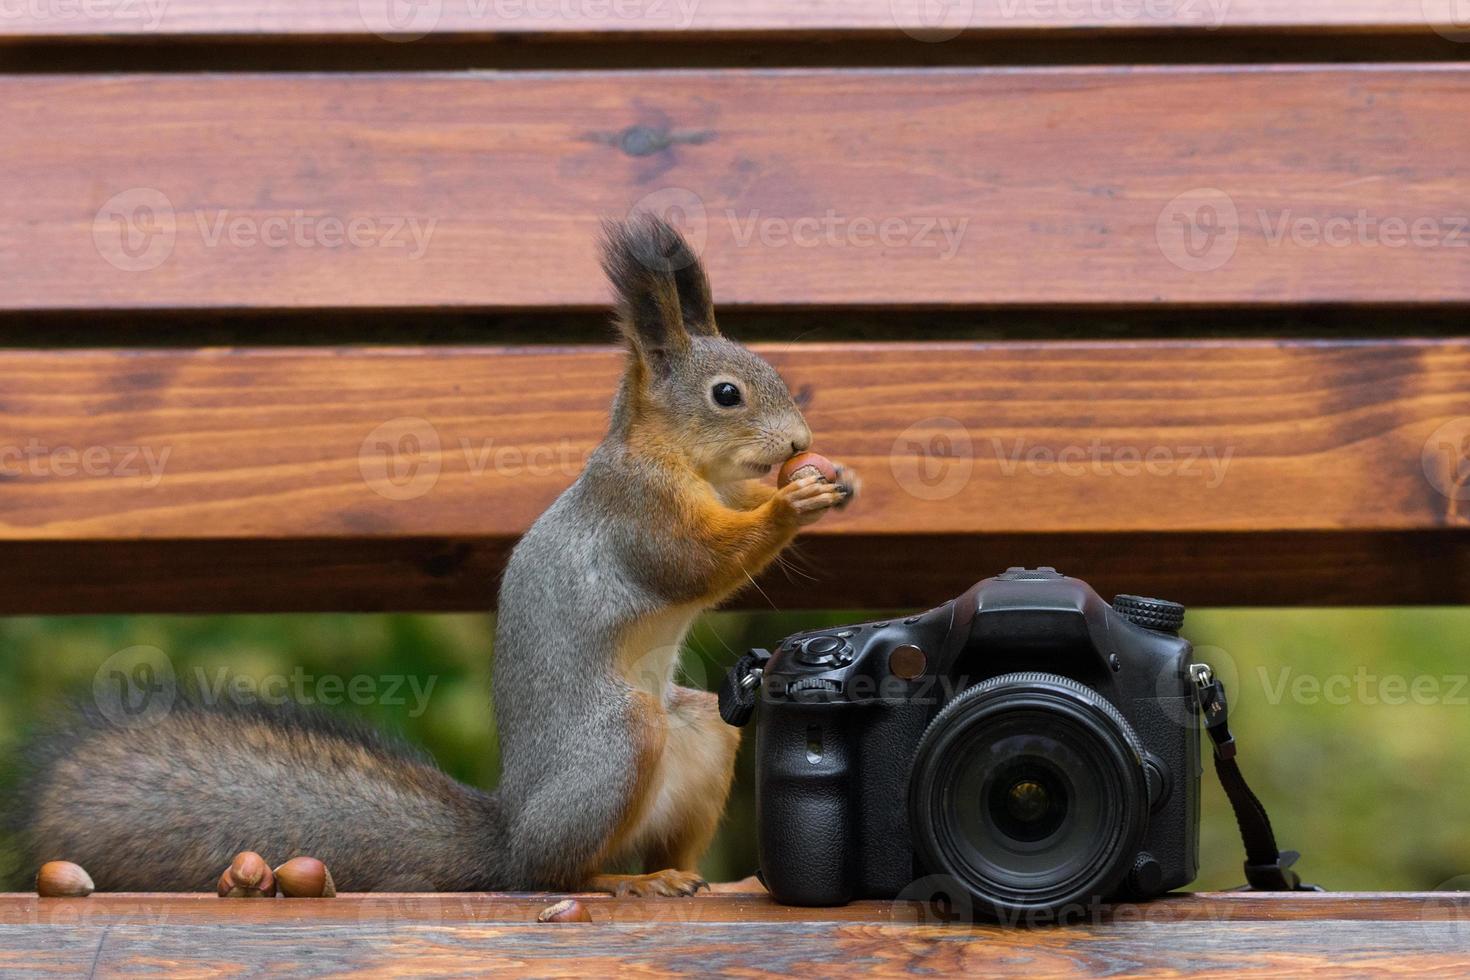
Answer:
(800, 443)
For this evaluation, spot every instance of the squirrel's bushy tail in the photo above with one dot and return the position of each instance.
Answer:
(163, 804)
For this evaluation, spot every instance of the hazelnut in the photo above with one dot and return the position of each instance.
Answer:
(62, 879)
(567, 910)
(804, 465)
(248, 876)
(305, 877)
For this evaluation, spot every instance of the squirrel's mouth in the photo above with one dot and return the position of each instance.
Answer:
(757, 469)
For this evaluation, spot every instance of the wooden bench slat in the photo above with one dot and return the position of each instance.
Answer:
(726, 904)
(1223, 472)
(408, 935)
(202, 20)
(989, 187)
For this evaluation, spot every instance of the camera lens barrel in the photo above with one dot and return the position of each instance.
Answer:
(1030, 791)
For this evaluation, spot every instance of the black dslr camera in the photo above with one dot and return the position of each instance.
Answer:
(1028, 744)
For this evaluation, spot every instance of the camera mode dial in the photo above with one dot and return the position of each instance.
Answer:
(825, 650)
(1153, 614)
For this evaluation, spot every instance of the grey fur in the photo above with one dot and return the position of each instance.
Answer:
(165, 807)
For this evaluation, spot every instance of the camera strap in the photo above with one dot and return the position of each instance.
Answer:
(1267, 869)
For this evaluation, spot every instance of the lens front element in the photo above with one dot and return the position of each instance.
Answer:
(1029, 789)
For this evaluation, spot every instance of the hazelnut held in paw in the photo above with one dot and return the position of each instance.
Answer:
(804, 465)
(809, 465)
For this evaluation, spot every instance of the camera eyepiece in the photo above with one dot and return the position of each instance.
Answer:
(1030, 791)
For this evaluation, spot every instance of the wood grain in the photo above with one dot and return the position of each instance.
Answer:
(347, 19)
(819, 188)
(417, 935)
(1225, 472)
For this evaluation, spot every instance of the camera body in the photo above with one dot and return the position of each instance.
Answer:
(1027, 742)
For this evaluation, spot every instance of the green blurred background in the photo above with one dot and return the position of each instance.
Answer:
(1354, 724)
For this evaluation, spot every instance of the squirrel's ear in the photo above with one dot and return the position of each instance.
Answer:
(662, 292)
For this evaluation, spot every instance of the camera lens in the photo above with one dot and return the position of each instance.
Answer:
(1029, 790)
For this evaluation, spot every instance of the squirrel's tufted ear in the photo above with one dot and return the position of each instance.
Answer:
(663, 295)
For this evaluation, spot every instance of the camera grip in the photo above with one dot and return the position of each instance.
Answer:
(804, 794)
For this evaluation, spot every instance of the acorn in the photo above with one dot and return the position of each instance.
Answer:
(567, 910)
(248, 876)
(62, 879)
(806, 464)
(305, 877)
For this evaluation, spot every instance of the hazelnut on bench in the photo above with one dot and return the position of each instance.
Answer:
(62, 879)
(305, 877)
(248, 876)
(567, 910)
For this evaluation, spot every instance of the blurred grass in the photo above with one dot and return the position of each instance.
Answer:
(1369, 789)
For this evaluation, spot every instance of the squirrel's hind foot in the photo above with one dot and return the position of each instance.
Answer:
(669, 883)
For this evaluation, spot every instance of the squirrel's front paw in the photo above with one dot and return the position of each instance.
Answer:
(848, 483)
(809, 498)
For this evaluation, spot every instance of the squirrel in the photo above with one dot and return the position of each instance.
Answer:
(606, 761)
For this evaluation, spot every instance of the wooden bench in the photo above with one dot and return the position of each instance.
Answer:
(301, 312)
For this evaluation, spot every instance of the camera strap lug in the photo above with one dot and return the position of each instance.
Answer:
(740, 690)
(1267, 868)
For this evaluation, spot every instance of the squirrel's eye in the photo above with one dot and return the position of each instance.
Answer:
(726, 394)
